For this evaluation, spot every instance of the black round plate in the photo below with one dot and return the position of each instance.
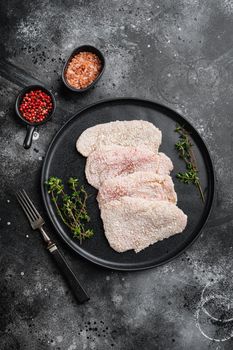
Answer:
(62, 160)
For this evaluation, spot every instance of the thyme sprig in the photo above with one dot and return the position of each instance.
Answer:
(184, 148)
(71, 207)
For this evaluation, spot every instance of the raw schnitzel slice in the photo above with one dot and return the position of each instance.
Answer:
(136, 223)
(115, 160)
(122, 133)
(141, 184)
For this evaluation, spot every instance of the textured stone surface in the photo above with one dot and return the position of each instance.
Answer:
(176, 52)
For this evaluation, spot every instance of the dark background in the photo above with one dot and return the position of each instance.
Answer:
(179, 53)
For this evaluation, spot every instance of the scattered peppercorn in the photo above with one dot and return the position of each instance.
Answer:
(36, 105)
(83, 69)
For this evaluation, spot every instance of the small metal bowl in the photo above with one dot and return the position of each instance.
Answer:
(31, 126)
(84, 48)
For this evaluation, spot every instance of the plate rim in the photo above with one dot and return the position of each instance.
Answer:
(79, 252)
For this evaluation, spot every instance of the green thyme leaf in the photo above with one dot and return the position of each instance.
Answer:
(184, 149)
(71, 207)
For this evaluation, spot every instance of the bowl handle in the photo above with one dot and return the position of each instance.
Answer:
(28, 139)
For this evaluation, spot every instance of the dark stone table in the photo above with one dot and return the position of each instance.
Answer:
(177, 52)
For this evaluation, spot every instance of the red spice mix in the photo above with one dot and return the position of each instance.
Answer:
(36, 106)
(83, 69)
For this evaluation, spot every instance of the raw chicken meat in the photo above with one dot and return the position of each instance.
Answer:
(123, 133)
(115, 160)
(136, 223)
(141, 184)
(136, 194)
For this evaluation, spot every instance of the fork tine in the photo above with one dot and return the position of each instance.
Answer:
(29, 204)
(32, 205)
(26, 204)
(24, 207)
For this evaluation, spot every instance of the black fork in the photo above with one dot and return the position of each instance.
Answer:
(37, 223)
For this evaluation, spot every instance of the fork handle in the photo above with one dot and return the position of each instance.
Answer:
(68, 274)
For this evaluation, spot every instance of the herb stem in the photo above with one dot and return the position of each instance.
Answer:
(71, 207)
(59, 211)
(201, 192)
(184, 148)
